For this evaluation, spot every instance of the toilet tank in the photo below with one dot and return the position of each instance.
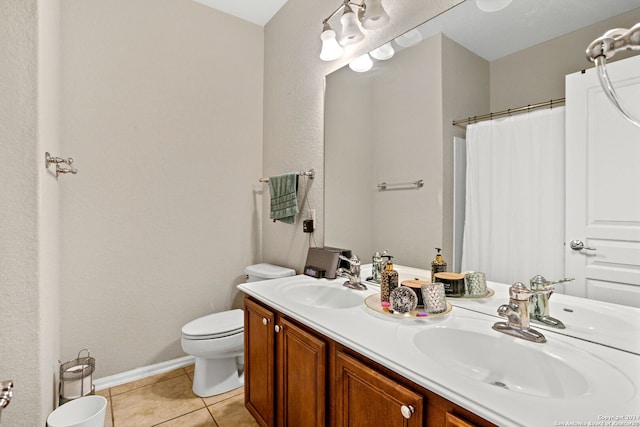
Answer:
(265, 271)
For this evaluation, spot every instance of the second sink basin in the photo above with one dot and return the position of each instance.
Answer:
(324, 296)
(550, 370)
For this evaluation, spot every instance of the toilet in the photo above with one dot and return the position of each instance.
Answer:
(217, 341)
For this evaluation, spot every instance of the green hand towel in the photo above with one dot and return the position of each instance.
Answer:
(284, 197)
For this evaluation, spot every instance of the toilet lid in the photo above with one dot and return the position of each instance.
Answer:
(215, 325)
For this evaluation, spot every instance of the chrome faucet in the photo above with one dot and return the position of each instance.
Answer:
(517, 313)
(377, 265)
(539, 303)
(352, 274)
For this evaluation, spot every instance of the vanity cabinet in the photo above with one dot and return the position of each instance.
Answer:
(364, 397)
(451, 420)
(285, 377)
(259, 362)
(295, 377)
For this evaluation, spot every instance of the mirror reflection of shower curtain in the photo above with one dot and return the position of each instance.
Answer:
(514, 214)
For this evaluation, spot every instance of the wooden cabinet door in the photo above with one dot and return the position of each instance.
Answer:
(364, 397)
(259, 350)
(301, 367)
(455, 421)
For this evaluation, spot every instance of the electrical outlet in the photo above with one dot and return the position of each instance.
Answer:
(308, 226)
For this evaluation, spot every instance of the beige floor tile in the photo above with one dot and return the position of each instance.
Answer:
(199, 418)
(232, 413)
(103, 393)
(155, 403)
(224, 396)
(123, 388)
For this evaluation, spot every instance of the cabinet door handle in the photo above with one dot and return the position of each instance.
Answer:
(407, 411)
(265, 321)
(278, 328)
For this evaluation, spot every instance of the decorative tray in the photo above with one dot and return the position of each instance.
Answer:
(489, 294)
(372, 302)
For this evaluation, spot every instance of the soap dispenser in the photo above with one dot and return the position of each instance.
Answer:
(388, 280)
(437, 265)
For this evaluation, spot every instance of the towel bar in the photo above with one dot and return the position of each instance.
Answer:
(418, 184)
(311, 174)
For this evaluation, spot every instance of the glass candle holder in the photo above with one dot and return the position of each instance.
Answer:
(476, 283)
(434, 298)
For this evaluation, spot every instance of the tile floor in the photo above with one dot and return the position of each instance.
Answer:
(167, 400)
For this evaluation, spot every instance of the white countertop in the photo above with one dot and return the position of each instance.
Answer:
(390, 342)
(609, 324)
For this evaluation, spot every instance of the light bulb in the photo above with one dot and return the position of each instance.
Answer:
(409, 38)
(374, 16)
(361, 64)
(350, 32)
(331, 50)
(383, 53)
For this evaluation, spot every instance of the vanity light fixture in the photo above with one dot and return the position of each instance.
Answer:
(361, 64)
(409, 38)
(383, 52)
(371, 16)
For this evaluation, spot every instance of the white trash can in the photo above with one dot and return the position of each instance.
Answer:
(87, 411)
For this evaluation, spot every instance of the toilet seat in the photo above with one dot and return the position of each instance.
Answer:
(216, 325)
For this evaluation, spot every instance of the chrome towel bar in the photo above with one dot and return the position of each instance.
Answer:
(385, 186)
(311, 173)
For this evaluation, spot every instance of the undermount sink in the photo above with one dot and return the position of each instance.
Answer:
(547, 370)
(323, 296)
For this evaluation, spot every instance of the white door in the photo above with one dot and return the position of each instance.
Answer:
(603, 187)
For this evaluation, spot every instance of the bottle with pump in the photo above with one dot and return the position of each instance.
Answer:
(437, 265)
(388, 280)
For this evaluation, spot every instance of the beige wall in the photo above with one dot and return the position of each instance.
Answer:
(465, 90)
(393, 124)
(162, 112)
(384, 125)
(537, 74)
(293, 103)
(29, 107)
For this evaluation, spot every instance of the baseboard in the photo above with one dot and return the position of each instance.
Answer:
(143, 372)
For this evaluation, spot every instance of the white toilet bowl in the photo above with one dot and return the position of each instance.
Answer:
(217, 342)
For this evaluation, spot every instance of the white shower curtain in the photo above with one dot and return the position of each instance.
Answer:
(514, 217)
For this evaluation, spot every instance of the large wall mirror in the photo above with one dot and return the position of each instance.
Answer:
(393, 124)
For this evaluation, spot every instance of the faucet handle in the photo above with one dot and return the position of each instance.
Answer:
(354, 260)
(539, 282)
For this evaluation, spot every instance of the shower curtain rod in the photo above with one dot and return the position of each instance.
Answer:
(491, 116)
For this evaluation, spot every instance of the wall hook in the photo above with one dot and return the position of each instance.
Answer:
(52, 160)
